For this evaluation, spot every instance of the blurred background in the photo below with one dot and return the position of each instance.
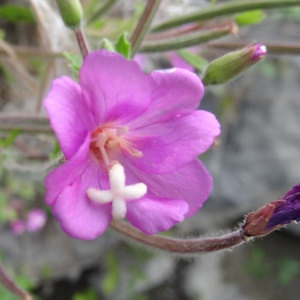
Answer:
(256, 160)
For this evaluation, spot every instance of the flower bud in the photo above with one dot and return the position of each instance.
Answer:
(233, 64)
(71, 12)
(274, 215)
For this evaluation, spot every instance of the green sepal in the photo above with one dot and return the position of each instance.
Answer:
(107, 45)
(123, 46)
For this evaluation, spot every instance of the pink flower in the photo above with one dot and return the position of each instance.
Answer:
(17, 227)
(131, 143)
(36, 219)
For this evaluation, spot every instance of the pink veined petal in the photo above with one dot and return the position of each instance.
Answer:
(152, 215)
(174, 92)
(68, 113)
(191, 183)
(79, 217)
(68, 172)
(115, 88)
(170, 145)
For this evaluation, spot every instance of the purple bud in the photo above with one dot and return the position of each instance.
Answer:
(274, 215)
(260, 52)
(288, 211)
(233, 64)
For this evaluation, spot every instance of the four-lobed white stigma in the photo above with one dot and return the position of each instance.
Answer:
(119, 193)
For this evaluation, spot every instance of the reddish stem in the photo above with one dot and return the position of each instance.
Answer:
(82, 42)
(12, 286)
(182, 246)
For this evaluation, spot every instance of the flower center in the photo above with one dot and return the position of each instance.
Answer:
(108, 141)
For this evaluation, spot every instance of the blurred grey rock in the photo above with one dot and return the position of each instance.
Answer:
(51, 251)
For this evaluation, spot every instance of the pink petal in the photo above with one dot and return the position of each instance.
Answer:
(79, 217)
(152, 215)
(191, 183)
(68, 172)
(170, 145)
(178, 62)
(69, 116)
(174, 92)
(115, 88)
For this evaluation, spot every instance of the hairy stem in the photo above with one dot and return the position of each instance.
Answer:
(81, 40)
(12, 286)
(143, 25)
(188, 40)
(224, 9)
(183, 246)
(273, 48)
(101, 10)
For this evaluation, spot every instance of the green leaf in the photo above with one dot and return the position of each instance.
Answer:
(56, 151)
(75, 62)
(87, 295)
(4, 143)
(98, 24)
(256, 263)
(250, 17)
(16, 14)
(90, 7)
(197, 61)
(268, 69)
(123, 46)
(3, 207)
(289, 269)
(2, 34)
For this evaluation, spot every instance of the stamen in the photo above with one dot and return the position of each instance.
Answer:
(108, 140)
(119, 193)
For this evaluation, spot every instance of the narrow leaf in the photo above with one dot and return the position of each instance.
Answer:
(250, 17)
(16, 13)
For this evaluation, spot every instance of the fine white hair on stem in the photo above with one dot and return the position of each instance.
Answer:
(184, 247)
(185, 256)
